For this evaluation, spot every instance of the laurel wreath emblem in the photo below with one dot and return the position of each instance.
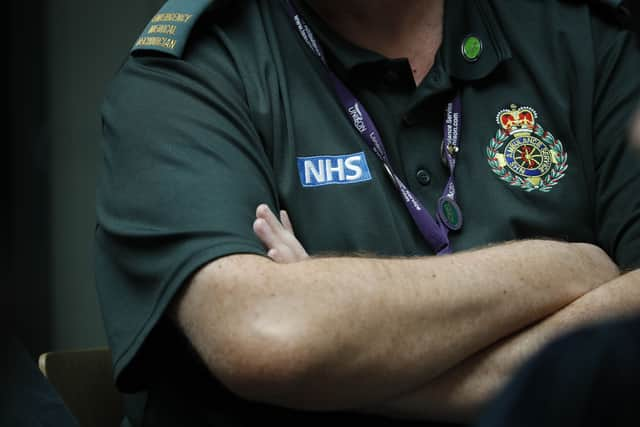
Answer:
(547, 182)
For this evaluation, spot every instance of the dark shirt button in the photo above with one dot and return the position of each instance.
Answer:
(391, 76)
(423, 177)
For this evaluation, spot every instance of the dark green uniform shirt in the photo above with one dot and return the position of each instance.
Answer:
(200, 127)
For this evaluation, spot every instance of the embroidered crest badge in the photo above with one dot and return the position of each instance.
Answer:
(525, 155)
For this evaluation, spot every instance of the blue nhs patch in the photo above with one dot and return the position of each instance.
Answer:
(329, 170)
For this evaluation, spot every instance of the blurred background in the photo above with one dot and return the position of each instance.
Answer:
(61, 55)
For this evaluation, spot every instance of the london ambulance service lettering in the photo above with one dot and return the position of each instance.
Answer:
(449, 216)
(328, 170)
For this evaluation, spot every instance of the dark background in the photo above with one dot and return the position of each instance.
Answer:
(60, 55)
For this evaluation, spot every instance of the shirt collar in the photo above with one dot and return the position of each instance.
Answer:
(343, 56)
(463, 18)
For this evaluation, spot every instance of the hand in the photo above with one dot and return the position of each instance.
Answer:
(278, 236)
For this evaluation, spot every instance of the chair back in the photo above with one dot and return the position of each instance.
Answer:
(84, 380)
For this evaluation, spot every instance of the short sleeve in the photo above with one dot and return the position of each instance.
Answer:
(617, 162)
(183, 171)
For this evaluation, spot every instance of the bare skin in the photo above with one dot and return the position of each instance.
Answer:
(458, 394)
(413, 31)
(345, 333)
(278, 237)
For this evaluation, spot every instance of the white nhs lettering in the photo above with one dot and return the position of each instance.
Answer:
(326, 170)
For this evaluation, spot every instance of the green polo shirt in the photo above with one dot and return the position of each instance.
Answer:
(239, 112)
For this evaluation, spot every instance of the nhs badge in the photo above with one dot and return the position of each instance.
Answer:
(328, 170)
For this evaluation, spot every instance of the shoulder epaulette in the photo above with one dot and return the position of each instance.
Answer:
(169, 29)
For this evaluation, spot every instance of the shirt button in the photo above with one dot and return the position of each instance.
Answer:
(423, 177)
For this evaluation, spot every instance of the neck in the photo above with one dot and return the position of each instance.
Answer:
(409, 29)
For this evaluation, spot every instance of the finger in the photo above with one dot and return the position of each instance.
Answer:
(273, 254)
(283, 237)
(286, 222)
(277, 248)
(264, 211)
(265, 233)
(281, 256)
(277, 237)
(293, 244)
(260, 210)
(298, 251)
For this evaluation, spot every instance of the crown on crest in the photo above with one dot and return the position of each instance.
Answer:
(517, 118)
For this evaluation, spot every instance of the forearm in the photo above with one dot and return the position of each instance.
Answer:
(458, 394)
(346, 332)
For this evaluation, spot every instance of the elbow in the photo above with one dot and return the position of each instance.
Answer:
(259, 341)
(268, 362)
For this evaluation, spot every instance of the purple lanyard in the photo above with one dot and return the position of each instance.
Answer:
(449, 216)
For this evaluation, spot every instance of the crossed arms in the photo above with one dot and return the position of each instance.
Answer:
(429, 337)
